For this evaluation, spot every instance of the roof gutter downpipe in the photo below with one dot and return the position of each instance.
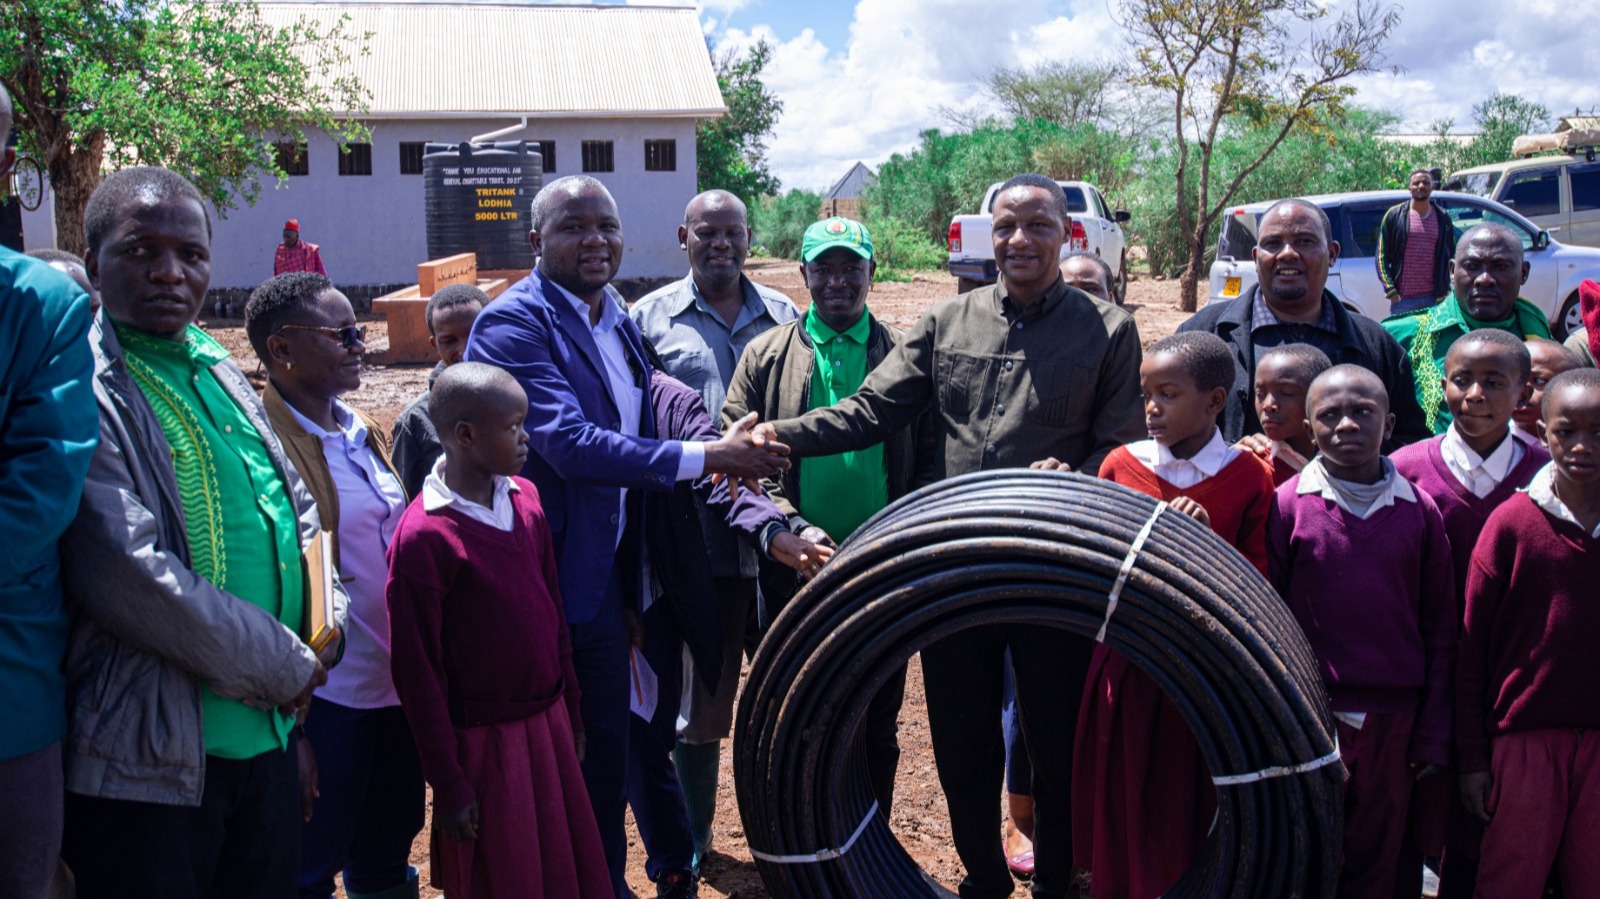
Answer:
(501, 132)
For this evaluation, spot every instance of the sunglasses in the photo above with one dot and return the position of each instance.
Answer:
(347, 336)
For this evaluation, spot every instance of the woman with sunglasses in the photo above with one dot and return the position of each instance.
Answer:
(364, 806)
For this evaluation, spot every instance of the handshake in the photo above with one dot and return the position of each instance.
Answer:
(747, 453)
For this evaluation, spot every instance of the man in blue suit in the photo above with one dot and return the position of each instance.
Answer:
(593, 454)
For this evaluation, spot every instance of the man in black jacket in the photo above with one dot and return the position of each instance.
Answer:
(1415, 245)
(1291, 304)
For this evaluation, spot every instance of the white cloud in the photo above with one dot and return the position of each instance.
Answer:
(903, 59)
(1455, 54)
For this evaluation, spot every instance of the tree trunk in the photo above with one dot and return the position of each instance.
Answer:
(1193, 274)
(73, 177)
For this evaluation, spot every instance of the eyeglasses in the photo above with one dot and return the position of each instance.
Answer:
(347, 336)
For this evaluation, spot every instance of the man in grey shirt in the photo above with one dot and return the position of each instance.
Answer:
(700, 326)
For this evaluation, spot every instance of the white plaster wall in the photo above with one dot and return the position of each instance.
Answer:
(370, 228)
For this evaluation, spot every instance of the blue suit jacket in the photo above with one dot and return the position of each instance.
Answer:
(578, 456)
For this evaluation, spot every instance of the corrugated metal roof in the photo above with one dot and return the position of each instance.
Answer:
(476, 58)
(1579, 123)
(851, 185)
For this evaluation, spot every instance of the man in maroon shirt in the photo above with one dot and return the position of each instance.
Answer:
(296, 255)
(1415, 245)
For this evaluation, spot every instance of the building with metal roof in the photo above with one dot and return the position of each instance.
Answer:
(844, 197)
(611, 91)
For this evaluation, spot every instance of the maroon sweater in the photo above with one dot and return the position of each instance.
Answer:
(1528, 659)
(478, 632)
(1376, 599)
(1464, 514)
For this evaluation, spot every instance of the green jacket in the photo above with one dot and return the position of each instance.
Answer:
(1426, 337)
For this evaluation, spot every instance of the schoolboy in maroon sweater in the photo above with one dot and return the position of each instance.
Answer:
(1469, 470)
(1528, 726)
(1362, 560)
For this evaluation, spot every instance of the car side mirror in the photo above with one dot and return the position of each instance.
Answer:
(1121, 215)
(1541, 240)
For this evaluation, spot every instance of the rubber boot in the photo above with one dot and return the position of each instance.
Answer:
(411, 889)
(698, 765)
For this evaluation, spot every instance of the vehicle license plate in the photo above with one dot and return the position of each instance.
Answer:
(1230, 287)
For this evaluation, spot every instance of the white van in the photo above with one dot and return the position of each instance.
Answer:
(1560, 194)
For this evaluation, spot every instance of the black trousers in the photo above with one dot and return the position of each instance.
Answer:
(241, 842)
(964, 678)
(880, 736)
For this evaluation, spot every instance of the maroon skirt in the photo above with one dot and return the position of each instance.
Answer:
(1142, 799)
(536, 831)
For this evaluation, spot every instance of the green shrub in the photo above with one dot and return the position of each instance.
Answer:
(780, 222)
(901, 248)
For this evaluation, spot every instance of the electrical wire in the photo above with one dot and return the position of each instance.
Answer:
(1043, 549)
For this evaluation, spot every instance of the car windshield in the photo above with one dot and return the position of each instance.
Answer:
(1076, 202)
(1478, 183)
(1238, 236)
(1239, 231)
(1465, 214)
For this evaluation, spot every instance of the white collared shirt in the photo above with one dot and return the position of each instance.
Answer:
(1542, 490)
(1476, 473)
(371, 501)
(1349, 496)
(1184, 473)
(629, 399)
(436, 495)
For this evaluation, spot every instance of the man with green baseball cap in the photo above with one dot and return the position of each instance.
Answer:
(809, 364)
(836, 232)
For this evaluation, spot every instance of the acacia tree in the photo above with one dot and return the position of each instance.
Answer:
(731, 152)
(1273, 63)
(200, 86)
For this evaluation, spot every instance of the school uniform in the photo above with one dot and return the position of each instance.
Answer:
(1141, 791)
(1467, 488)
(483, 667)
(1366, 570)
(1525, 684)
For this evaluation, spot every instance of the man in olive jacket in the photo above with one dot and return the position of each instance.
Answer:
(1009, 375)
(779, 376)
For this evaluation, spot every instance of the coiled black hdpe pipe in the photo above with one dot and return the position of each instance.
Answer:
(1045, 549)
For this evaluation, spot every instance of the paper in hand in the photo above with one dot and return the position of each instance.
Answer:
(642, 694)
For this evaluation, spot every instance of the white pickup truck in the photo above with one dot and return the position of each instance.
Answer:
(1096, 228)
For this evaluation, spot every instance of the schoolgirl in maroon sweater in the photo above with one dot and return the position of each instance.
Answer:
(1528, 726)
(482, 663)
(1362, 560)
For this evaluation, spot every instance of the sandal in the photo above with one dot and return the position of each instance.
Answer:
(1021, 864)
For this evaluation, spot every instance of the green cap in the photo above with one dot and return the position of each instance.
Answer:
(835, 232)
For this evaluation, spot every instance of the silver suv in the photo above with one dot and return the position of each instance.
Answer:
(1554, 269)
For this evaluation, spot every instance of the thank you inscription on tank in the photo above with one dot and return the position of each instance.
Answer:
(495, 187)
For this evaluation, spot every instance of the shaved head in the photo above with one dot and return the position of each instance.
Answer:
(713, 200)
(1495, 234)
(553, 195)
(465, 391)
(1352, 377)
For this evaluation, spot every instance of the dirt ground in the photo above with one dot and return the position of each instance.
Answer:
(919, 817)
